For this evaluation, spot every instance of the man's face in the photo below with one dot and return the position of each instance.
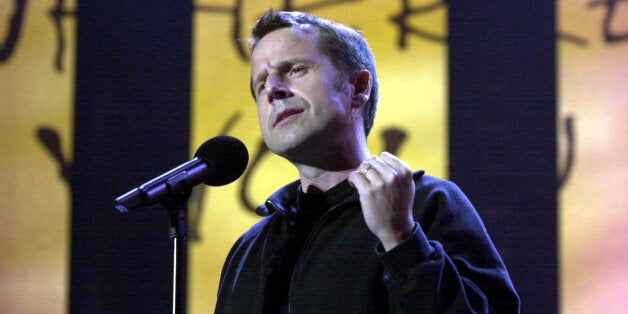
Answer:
(303, 103)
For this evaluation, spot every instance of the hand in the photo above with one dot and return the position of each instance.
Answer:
(386, 191)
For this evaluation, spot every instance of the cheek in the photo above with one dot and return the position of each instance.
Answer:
(262, 116)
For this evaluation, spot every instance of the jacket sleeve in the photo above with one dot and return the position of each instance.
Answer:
(449, 264)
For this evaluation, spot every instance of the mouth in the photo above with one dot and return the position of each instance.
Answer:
(284, 115)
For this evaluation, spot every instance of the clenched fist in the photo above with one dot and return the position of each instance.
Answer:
(386, 191)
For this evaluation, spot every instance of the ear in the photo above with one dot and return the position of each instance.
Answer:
(361, 89)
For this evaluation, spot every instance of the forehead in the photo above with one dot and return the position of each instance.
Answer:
(286, 43)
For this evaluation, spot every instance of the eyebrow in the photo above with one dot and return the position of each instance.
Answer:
(287, 63)
(282, 65)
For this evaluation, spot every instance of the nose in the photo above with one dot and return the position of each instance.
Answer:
(277, 89)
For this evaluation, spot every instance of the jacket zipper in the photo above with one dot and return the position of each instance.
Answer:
(307, 243)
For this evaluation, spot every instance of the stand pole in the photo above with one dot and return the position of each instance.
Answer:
(179, 236)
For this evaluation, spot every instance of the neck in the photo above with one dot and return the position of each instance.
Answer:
(325, 175)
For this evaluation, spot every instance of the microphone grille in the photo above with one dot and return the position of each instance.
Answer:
(227, 155)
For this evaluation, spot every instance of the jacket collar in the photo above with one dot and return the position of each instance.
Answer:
(278, 201)
(285, 199)
(282, 199)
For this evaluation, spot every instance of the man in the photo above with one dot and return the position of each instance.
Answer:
(356, 233)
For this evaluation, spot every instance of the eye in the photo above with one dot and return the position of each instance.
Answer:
(261, 87)
(296, 70)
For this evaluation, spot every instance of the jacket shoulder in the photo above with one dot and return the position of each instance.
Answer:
(438, 201)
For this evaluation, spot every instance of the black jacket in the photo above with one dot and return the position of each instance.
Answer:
(342, 268)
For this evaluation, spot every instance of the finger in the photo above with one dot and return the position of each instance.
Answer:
(364, 167)
(360, 171)
(382, 171)
(358, 180)
(395, 162)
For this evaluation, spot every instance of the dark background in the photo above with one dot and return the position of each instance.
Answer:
(133, 116)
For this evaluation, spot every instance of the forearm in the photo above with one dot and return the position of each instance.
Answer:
(422, 278)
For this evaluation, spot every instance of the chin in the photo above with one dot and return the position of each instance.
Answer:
(280, 148)
(295, 145)
(292, 151)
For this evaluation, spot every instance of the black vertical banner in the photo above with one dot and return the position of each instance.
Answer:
(131, 123)
(502, 95)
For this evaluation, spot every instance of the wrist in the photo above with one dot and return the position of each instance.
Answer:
(393, 238)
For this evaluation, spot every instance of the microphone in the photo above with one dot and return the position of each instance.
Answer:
(219, 161)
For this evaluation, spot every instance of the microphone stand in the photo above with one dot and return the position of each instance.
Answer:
(176, 206)
(228, 154)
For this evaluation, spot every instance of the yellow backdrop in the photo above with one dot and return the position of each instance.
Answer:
(36, 93)
(37, 87)
(593, 217)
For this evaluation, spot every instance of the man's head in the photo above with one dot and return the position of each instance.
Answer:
(345, 46)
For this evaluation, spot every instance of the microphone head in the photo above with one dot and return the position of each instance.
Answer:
(227, 155)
